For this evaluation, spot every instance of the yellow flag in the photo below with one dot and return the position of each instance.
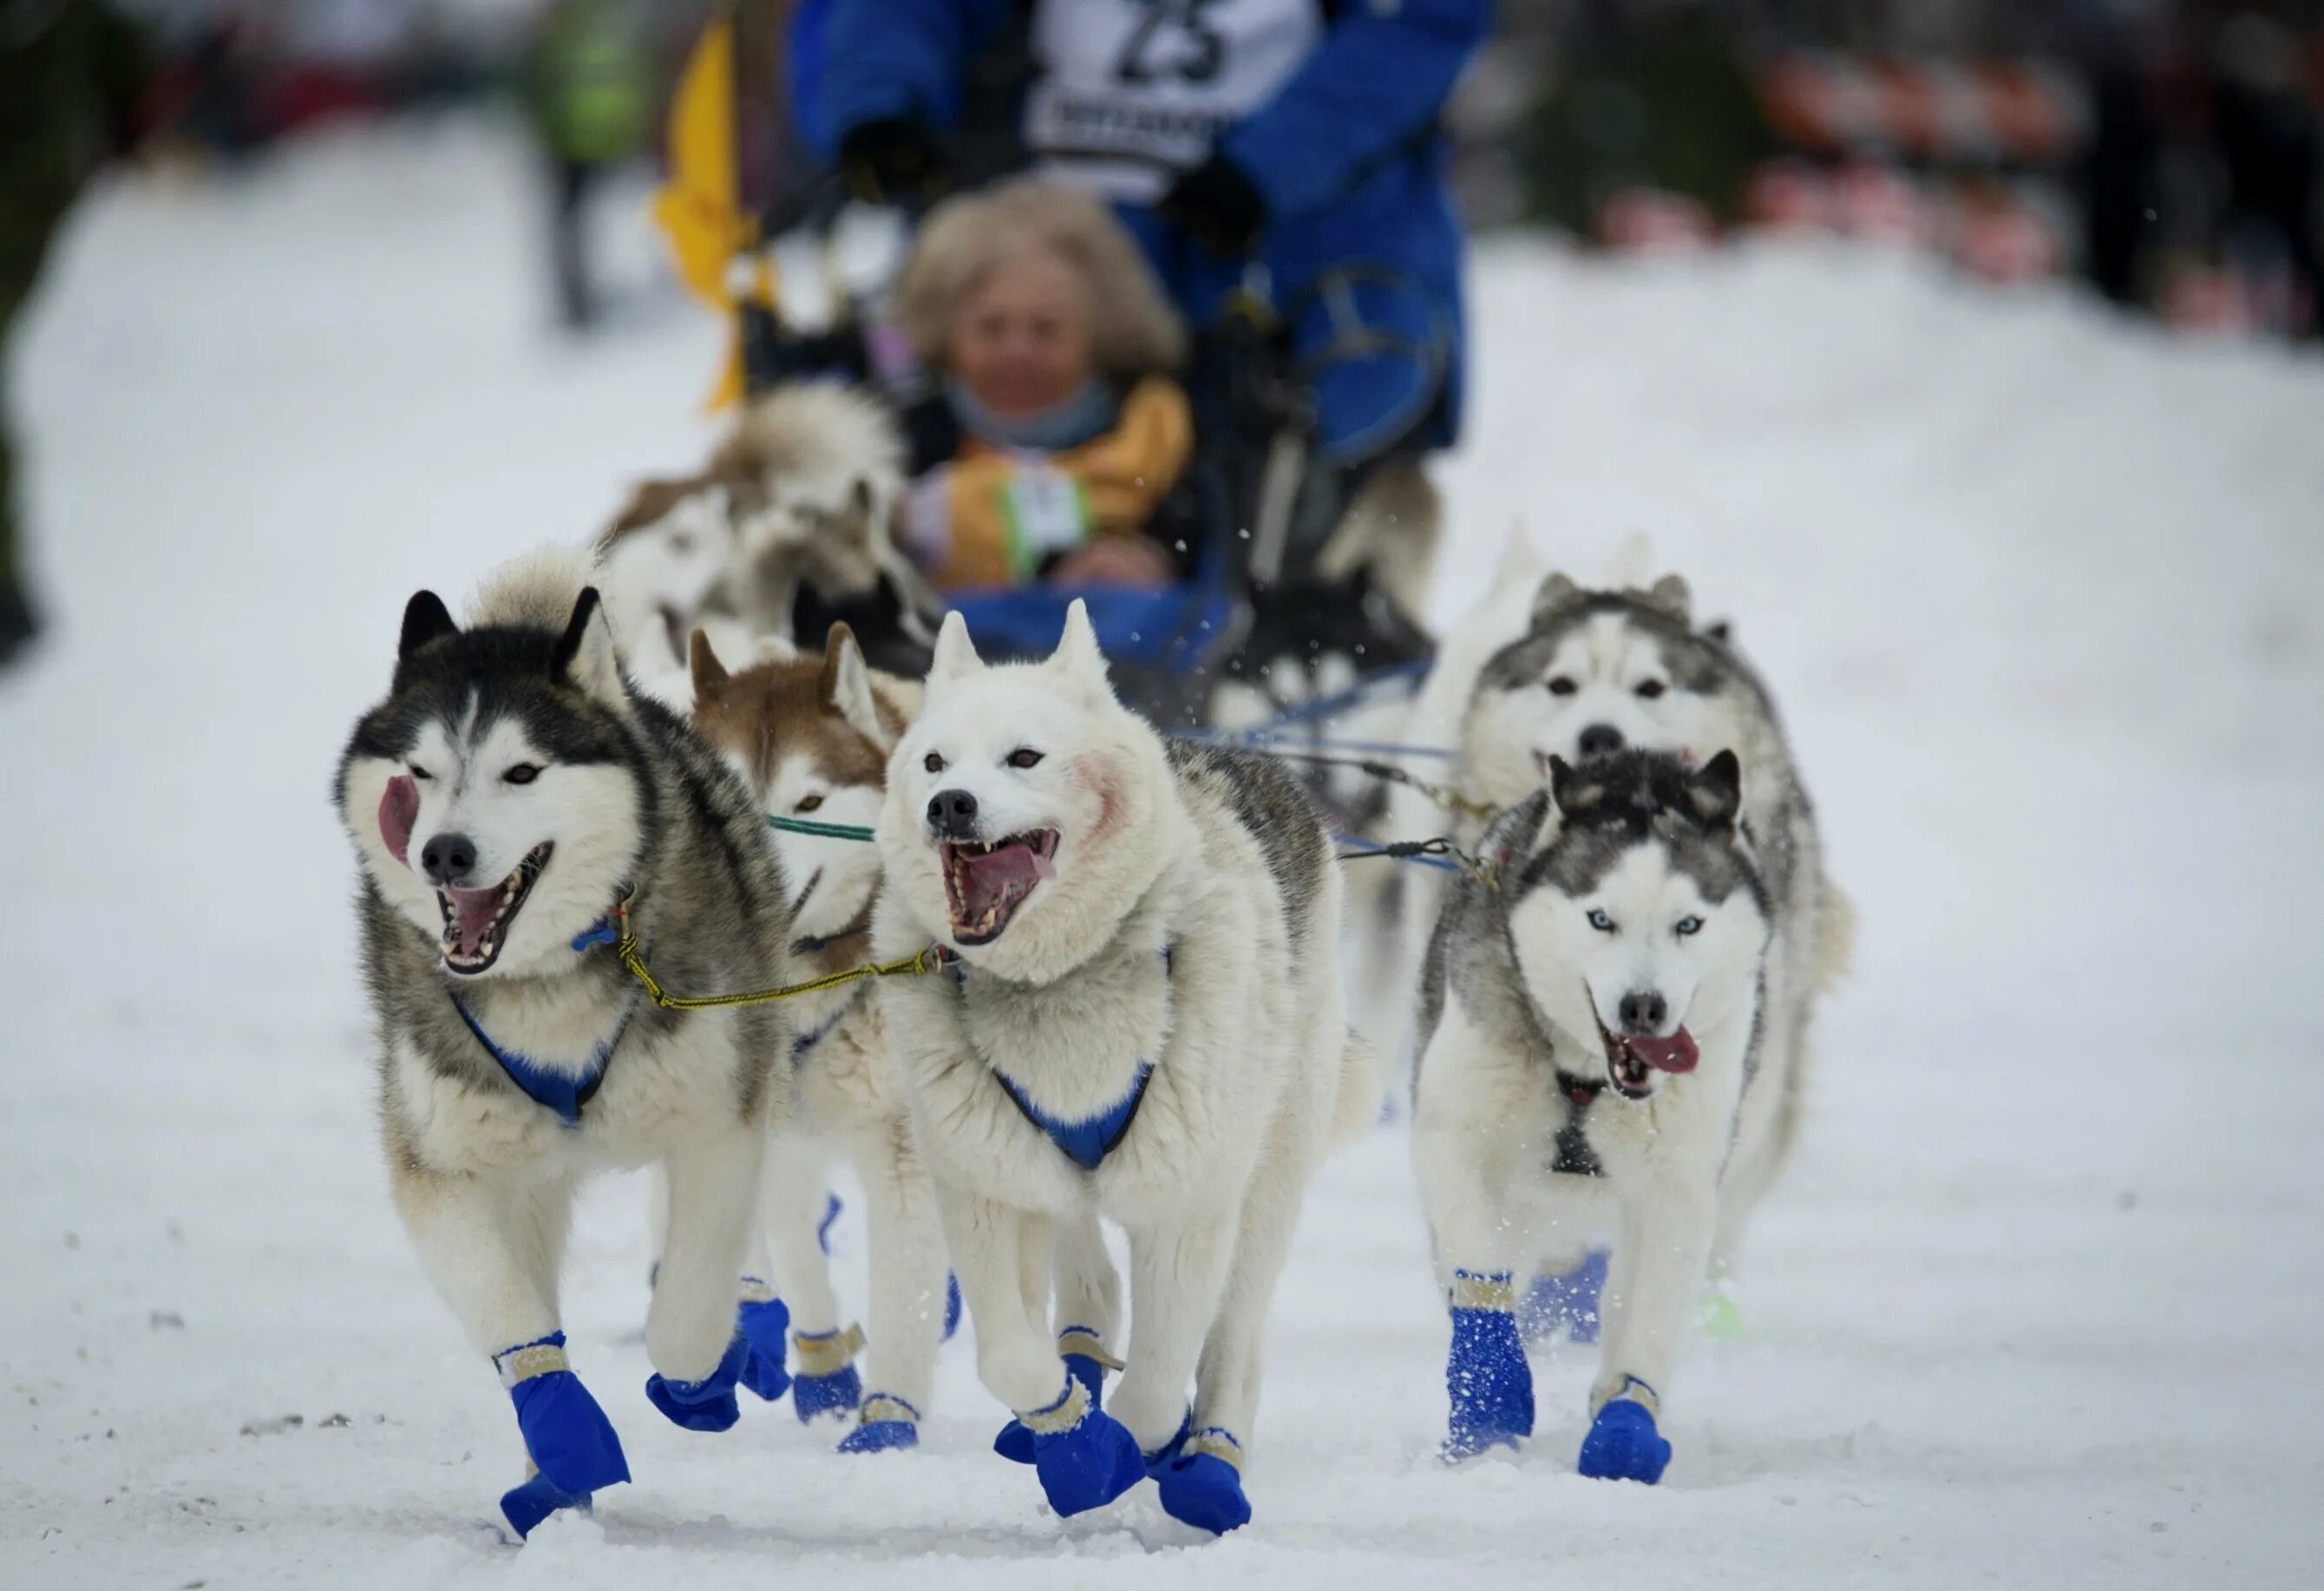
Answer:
(699, 209)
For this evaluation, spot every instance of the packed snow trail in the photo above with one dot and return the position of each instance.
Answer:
(2037, 1304)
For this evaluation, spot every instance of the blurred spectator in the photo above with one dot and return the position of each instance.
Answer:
(72, 74)
(590, 88)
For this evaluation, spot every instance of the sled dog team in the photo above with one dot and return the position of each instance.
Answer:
(1104, 984)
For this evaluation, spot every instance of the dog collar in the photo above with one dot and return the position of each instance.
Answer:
(1086, 1142)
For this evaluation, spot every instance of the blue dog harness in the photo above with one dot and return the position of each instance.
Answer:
(557, 1090)
(1088, 1142)
(545, 1085)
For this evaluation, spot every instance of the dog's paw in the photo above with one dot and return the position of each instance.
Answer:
(1015, 1443)
(1088, 1465)
(1722, 1317)
(1624, 1445)
(765, 1323)
(1487, 1383)
(889, 1425)
(1564, 1303)
(1204, 1490)
(836, 1394)
(525, 1506)
(1200, 1476)
(704, 1405)
(566, 1434)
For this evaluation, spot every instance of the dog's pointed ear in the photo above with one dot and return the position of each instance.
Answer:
(1572, 788)
(955, 653)
(586, 655)
(846, 687)
(1671, 595)
(425, 619)
(702, 662)
(1078, 653)
(1516, 833)
(1555, 593)
(1716, 790)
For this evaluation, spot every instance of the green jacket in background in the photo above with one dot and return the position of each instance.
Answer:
(592, 82)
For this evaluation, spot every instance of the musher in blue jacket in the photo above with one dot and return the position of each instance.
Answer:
(1300, 134)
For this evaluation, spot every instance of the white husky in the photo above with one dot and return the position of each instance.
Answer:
(1140, 1016)
(1592, 1021)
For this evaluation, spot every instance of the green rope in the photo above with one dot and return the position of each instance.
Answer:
(820, 830)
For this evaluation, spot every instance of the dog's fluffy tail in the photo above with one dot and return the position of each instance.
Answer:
(1359, 1104)
(534, 590)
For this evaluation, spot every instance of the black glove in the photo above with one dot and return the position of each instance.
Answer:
(890, 159)
(1218, 207)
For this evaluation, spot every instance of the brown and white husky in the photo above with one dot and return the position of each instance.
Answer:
(810, 735)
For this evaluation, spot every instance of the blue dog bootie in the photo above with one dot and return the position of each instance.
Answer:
(1086, 1360)
(952, 1304)
(1084, 1458)
(887, 1424)
(571, 1442)
(708, 1404)
(826, 1382)
(1623, 1443)
(1489, 1382)
(1564, 1303)
(765, 1323)
(1202, 1484)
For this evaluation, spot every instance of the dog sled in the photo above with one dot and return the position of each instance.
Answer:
(1273, 620)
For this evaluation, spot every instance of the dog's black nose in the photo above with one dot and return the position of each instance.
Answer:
(1644, 1012)
(952, 813)
(449, 858)
(1600, 740)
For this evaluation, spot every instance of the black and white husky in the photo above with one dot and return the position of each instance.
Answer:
(1581, 672)
(507, 796)
(1592, 1021)
(1141, 1018)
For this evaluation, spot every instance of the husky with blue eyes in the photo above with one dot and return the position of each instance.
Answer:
(1591, 1017)
(1138, 1017)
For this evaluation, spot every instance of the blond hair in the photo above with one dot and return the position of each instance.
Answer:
(1133, 330)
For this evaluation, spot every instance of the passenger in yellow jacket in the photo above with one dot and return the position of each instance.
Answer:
(1053, 342)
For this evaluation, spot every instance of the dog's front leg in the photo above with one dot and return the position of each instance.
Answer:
(1177, 1275)
(907, 1285)
(699, 1354)
(1667, 1222)
(494, 1252)
(1465, 1163)
(1084, 1458)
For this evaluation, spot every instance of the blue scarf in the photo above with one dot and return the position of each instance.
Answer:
(1085, 417)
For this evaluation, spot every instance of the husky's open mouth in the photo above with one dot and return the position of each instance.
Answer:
(477, 922)
(985, 883)
(1632, 1062)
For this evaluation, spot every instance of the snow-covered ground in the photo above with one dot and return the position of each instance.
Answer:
(2037, 1306)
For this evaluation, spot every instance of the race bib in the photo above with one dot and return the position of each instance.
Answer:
(1135, 91)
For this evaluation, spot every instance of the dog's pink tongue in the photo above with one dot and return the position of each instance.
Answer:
(989, 875)
(399, 809)
(1674, 1054)
(473, 912)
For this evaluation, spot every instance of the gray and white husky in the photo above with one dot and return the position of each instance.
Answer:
(506, 799)
(1141, 1017)
(1594, 671)
(1591, 1016)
